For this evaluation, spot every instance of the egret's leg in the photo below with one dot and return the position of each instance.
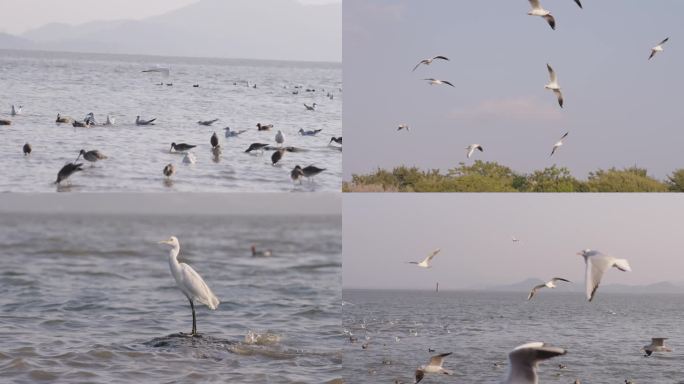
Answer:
(194, 323)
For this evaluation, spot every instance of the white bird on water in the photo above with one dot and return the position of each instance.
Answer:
(472, 147)
(558, 144)
(434, 366)
(523, 361)
(189, 282)
(280, 137)
(426, 261)
(549, 284)
(658, 48)
(596, 265)
(553, 85)
(537, 10)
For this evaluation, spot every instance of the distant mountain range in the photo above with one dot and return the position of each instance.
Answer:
(526, 286)
(264, 29)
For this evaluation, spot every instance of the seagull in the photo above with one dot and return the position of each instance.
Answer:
(214, 140)
(311, 107)
(16, 110)
(139, 121)
(553, 85)
(403, 126)
(231, 133)
(472, 147)
(266, 253)
(597, 264)
(63, 119)
(426, 261)
(537, 10)
(337, 140)
(91, 156)
(189, 282)
(27, 149)
(280, 138)
(182, 147)
(438, 82)
(549, 284)
(309, 133)
(189, 158)
(68, 170)
(277, 155)
(657, 345)
(578, 3)
(169, 170)
(523, 362)
(207, 122)
(658, 48)
(429, 61)
(434, 366)
(558, 144)
(256, 147)
(262, 127)
(515, 239)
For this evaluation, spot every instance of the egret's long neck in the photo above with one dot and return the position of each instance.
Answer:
(173, 254)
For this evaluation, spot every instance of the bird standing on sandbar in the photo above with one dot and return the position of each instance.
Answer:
(189, 282)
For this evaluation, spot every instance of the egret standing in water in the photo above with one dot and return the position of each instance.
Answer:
(189, 282)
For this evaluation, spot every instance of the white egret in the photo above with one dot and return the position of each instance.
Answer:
(189, 282)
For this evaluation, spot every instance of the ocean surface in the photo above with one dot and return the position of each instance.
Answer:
(47, 83)
(602, 338)
(90, 299)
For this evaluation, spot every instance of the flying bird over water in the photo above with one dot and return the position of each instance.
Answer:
(429, 61)
(432, 81)
(553, 85)
(434, 366)
(189, 282)
(471, 149)
(596, 265)
(537, 10)
(657, 345)
(578, 3)
(524, 359)
(68, 170)
(403, 126)
(558, 144)
(658, 48)
(426, 261)
(549, 284)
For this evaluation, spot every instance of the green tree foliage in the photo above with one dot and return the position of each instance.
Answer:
(493, 177)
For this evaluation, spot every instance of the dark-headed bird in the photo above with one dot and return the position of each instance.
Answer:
(27, 149)
(181, 147)
(68, 170)
(214, 140)
(277, 155)
(264, 127)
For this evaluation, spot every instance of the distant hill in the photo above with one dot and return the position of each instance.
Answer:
(264, 29)
(527, 284)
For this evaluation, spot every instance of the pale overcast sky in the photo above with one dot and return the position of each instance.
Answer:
(381, 232)
(620, 108)
(22, 15)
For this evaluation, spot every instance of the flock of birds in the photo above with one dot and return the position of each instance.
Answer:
(297, 174)
(553, 85)
(523, 360)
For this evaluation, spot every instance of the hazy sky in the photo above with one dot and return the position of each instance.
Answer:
(29, 14)
(179, 203)
(381, 232)
(620, 108)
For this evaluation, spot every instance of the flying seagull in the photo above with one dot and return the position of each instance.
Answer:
(432, 81)
(578, 3)
(189, 282)
(558, 144)
(523, 361)
(553, 85)
(537, 10)
(657, 345)
(658, 48)
(549, 284)
(426, 261)
(403, 126)
(472, 147)
(596, 265)
(434, 366)
(429, 61)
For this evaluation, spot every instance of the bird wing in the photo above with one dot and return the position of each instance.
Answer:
(196, 287)
(554, 149)
(419, 375)
(438, 360)
(560, 279)
(534, 290)
(559, 95)
(431, 255)
(597, 264)
(578, 3)
(479, 147)
(552, 74)
(418, 65)
(441, 57)
(523, 360)
(653, 52)
(470, 149)
(564, 136)
(552, 22)
(535, 4)
(664, 41)
(447, 83)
